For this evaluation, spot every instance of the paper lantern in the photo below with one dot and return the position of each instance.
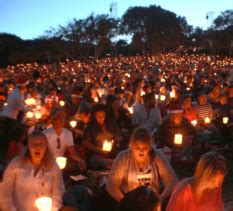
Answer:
(107, 145)
(225, 120)
(43, 204)
(178, 139)
(73, 123)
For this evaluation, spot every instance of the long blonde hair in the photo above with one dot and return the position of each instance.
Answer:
(47, 160)
(208, 166)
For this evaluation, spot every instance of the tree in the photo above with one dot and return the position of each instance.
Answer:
(224, 20)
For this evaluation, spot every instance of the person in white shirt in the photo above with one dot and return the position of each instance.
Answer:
(61, 139)
(147, 114)
(15, 100)
(31, 176)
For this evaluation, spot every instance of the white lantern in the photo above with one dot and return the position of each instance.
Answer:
(73, 123)
(107, 145)
(96, 99)
(178, 139)
(225, 120)
(43, 204)
(61, 162)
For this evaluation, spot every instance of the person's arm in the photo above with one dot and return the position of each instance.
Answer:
(58, 188)
(167, 174)
(7, 188)
(115, 177)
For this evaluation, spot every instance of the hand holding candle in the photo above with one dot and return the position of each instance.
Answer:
(43, 204)
(207, 120)
(107, 145)
(61, 162)
(178, 139)
(225, 120)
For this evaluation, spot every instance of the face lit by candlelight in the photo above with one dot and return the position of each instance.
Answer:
(176, 118)
(100, 117)
(140, 151)
(37, 147)
(215, 182)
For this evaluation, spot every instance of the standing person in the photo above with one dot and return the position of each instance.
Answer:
(203, 191)
(15, 100)
(140, 165)
(30, 176)
(61, 139)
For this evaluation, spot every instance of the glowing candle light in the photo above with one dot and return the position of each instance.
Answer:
(172, 94)
(96, 99)
(73, 123)
(178, 139)
(43, 204)
(38, 115)
(29, 114)
(130, 110)
(225, 120)
(107, 145)
(194, 122)
(38, 107)
(142, 93)
(61, 162)
(162, 97)
(30, 101)
(207, 120)
(156, 97)
(62, 103)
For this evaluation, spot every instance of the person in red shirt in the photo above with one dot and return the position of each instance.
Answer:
(203, 191)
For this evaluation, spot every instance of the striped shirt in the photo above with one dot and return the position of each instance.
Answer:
(203, 111)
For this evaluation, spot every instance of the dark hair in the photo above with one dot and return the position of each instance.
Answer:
(148, 96)
(141, 198)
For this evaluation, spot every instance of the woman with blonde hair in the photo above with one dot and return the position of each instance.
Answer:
(31, 176)
(202, 191)
(140, 165)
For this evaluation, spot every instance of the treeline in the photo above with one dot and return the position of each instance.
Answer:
(151, 29)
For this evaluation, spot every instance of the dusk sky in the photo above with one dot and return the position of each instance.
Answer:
(29, 19)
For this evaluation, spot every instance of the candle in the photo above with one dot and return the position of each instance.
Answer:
(172, 94)
(38, 107)
(107, 145)
(130, 110)
(142, 93)
(96, 99)
(207, 120)
(162, 97)
(178, 139)
(194, 122)
(62, 103)
(43, 204)
(61, 162)
(156, 97)
(73, 123)
(30, 101)
(38, 115)
(225, 120)
(29, 114)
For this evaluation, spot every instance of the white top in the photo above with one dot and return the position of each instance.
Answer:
(141, 117)
(20, 188)
(15, 103)
(66, 140)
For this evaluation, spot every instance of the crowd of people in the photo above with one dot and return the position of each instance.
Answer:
(129, 116)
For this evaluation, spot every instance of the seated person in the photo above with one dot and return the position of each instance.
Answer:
(32, 175)
(60, 139)
(203, 191)
(140, 165)
(100, 130)
(173, 125)
(147, 114)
